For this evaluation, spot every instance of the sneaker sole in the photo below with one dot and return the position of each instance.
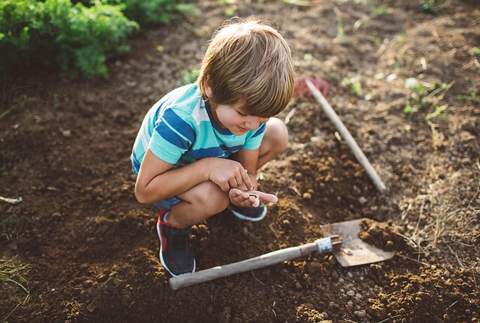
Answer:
(161, 256)
(246, 218)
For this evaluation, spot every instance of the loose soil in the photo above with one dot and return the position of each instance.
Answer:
(92, 249)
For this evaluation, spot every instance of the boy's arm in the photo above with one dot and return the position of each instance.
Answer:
(157, 180)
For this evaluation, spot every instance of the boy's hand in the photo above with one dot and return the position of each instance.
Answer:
(250, 198)
(228, 174)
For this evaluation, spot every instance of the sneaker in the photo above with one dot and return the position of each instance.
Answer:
(249, 213)
(176, 253)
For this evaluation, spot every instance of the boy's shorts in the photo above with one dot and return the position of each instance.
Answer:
(168, 203)
(164, 204)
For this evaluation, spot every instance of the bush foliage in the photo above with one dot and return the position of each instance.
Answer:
(77, 37)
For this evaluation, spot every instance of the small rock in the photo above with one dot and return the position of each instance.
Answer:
(332, 260)
(335, 275)
(102, 278)
(349, 274)
(225, 315)
(351, 293)
(307, 196)
(91, 307)
(87, 284)
(408, 192)
(362, 200)
(358, 296)
(312, 267)
(360, 314)
(67, 133)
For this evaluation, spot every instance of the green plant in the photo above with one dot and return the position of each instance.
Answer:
(425, 98)
(147, 12)
(475, 51)
(473, 95)
(355, 85)
(13, 272)
(341, 37)
(76, 38)
(188, 77)
(428, 6)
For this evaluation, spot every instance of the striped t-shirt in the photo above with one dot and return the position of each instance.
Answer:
(180, 129)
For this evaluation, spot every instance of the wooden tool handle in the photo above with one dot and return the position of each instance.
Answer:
(265, 260)
(332, 115)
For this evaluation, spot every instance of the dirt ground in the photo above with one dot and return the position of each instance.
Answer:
(92, 249)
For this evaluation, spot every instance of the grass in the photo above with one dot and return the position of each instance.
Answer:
(14, 273)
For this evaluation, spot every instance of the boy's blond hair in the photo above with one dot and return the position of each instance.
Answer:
(250, 60)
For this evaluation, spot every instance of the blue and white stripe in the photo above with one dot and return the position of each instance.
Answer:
(180, 129)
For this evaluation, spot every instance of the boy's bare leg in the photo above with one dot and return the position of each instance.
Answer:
(275, 141)
(198, 204)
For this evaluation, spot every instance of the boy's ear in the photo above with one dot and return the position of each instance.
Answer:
(208, 88)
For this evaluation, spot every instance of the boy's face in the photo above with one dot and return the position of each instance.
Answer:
(233, 118)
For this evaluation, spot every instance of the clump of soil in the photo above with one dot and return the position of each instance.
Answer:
(385, 236)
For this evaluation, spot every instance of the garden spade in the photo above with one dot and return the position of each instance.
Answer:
(340, 238)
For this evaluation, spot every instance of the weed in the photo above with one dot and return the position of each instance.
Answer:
(473, 95)
(12, 219)
(188, 77)
(359, 23)
(341, 37)
(475, 51)
(425, 99)
(310, 58)
(15, 273)
(428, 7)
(355, 85)
(378, 11)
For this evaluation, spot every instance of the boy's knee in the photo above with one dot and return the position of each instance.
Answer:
(212, 199)
(277, 133)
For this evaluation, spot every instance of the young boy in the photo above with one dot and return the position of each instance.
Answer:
(199, 147)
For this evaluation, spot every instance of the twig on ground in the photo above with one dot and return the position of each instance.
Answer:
(290, 115)
(474, 279)
(294, 188)
(456, 256)
(405, 213)
(257, 279)
(451, 305)
(417, 261)
(20, 102)
(273, 230)
(388, 319)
